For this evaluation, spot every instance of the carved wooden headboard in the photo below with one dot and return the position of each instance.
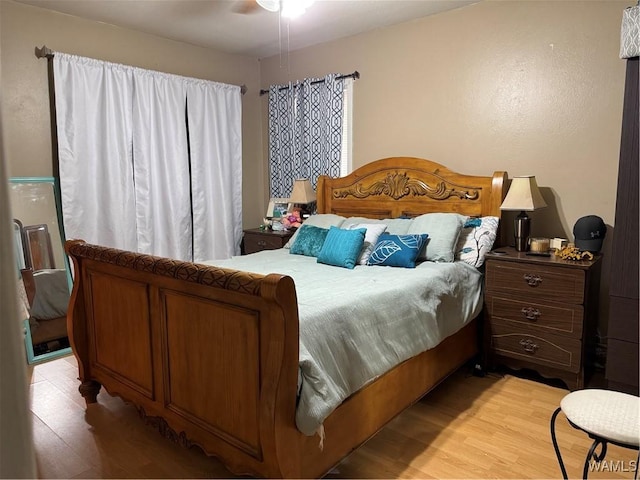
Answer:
(407, 187)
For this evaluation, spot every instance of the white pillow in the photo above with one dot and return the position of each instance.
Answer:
(322, 220)
(374, 230)
(476, 239)
(443, 230)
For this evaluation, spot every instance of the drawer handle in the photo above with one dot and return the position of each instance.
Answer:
(532, 280)
(528, 345)
(262, 243)
(531, 313)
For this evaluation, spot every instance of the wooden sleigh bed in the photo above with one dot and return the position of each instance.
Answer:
(133, 318)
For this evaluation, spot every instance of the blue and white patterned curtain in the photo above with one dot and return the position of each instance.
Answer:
(305, 131)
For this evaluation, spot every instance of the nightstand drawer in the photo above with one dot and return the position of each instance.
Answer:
(256, 243)
(536, 281)
(563, 319)
(544, 349)
(256, 240)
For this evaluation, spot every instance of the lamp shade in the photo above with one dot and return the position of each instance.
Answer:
(523, 195)
(302, 192)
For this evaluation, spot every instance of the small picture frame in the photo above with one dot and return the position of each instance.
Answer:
(278, 207)
(38, 246)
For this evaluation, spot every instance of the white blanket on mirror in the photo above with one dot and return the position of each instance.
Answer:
(357, 324)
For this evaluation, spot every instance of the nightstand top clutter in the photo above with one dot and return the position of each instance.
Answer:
(509, 254)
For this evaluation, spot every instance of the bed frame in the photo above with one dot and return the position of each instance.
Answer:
(210, 355)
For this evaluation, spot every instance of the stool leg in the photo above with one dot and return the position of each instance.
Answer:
(555, 443)
(592, 454)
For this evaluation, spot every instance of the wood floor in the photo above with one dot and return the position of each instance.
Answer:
(469, 427)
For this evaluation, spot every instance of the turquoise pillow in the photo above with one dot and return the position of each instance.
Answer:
(397, 250)
(342, 247)
(309, 241)
(322, 220)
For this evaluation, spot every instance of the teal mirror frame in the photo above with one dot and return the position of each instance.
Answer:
(32, 358)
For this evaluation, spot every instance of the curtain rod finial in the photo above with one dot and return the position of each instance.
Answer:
(44, 52)
(243, 89)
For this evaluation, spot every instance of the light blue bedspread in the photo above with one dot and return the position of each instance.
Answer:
(357, 324)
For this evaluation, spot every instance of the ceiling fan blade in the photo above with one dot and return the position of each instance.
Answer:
(246, 6)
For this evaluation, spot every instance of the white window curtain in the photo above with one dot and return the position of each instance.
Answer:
(94, 119)
(215, 133)
(305, 131)
(161, 166)
(135, 172)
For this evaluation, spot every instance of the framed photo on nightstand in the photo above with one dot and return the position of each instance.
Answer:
(277, 207)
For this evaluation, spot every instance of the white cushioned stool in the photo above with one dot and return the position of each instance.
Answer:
(606, 416)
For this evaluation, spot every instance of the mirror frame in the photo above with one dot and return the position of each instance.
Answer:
(28, 343)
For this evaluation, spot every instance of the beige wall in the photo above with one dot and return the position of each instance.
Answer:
(26, 98)
(530, 87)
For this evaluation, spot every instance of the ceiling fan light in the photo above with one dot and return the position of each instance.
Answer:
(270, 5)
(294, 8)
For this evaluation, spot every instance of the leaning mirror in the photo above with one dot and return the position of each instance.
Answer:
(42, 268)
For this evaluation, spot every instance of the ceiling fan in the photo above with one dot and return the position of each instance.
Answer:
(287, 8)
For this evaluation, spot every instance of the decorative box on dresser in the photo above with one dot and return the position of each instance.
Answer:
(256, 239)
(541, 313)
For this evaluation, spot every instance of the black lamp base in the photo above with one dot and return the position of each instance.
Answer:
(522, 228)
(306, 209)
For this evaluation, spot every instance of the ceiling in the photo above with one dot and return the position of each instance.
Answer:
(217, 24)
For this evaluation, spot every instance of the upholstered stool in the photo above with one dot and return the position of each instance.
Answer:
(606, 416)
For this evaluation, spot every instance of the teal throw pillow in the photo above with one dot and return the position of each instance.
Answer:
(309, 241)
(342, 247)
(397, 250)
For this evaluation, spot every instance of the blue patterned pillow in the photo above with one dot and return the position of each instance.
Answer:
(397, 250)
(342, 247)
(309, 241)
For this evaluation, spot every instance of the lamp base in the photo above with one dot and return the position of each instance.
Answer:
(306, 209)
(521, 229)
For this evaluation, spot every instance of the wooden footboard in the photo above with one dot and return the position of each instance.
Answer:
(212, 353)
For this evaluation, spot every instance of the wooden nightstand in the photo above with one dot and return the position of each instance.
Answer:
(256, 240)
(541, 313)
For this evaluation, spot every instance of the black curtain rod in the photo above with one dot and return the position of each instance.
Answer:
(45, 52)
(355, 75)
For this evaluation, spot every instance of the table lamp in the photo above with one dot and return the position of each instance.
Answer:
(523, 195)
(302, 195)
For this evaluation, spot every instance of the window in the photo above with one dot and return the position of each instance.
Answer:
(310, 126)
